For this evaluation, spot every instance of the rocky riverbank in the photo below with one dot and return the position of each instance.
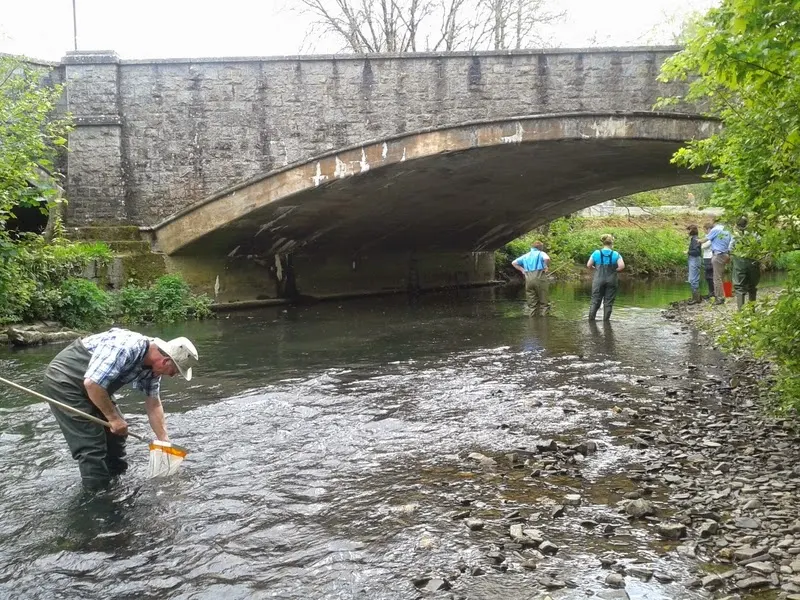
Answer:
(738, 490)
(710, 508)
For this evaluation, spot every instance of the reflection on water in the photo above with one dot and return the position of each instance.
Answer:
(328, 451)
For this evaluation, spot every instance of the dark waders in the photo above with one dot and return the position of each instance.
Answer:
(100, 453)
(604, 286)
(746, 275)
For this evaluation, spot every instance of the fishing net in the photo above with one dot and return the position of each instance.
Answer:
(165, 458)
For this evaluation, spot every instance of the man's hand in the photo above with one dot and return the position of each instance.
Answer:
(119, 426)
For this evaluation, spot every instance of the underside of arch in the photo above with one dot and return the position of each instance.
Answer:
(467, 188)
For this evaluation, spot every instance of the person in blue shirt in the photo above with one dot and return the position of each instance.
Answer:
(87, 373)
(606, 263)
(534, 267)
(720, 240)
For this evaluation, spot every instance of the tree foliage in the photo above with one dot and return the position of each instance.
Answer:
(743, 64)
(30, 138)
(742, 61)
(370, 26)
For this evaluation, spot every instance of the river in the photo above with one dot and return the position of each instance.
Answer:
(329, 454)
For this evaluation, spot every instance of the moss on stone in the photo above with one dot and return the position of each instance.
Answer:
(142, 269)
(105, 233)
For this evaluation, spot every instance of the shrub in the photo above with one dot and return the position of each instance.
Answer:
(82, 304)
(770, 329)
(168, 300)
(32, 272)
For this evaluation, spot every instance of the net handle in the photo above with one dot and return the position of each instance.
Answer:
(66, 407)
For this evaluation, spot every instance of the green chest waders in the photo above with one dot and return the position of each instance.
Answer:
(100, 453)
(604, 287)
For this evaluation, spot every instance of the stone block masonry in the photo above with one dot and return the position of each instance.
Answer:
(154, 137)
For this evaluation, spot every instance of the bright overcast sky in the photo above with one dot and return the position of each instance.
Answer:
(202, 28)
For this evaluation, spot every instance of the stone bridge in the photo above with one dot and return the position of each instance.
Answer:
(272, 177)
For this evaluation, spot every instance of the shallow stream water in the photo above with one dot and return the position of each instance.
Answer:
(329, 453)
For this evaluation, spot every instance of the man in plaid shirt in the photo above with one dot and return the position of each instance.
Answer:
(89, 371)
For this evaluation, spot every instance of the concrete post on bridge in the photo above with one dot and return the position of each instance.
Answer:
(96, 187)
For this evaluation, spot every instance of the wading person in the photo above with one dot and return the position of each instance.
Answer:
(534, 266)
(606, 263)
(746, 270)
(708, 269)
(720, 255)
(89, 371)
(695, 261)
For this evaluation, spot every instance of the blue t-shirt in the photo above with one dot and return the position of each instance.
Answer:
(720, 239)
(532, 261)
(605, 257)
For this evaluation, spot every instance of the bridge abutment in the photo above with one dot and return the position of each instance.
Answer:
(288, 277)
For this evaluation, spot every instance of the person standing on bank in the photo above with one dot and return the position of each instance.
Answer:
(746, 270)
(695, 257)
(534, 267)
(707, 267)
(89, 371)
(720, 255)
(606, 263)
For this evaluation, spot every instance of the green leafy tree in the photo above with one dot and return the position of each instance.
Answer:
(742, 61)
(743, 64)
(30, 138)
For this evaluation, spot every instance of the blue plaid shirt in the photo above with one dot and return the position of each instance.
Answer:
(117, 356)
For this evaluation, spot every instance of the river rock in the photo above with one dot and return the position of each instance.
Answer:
(640, 508)
(752, 583)
(38, 335)
(572, 500)
(671, 531)
(548, 548)
(746, 523)
(615, 580)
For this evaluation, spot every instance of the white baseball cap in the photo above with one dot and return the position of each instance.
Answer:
(182, 352)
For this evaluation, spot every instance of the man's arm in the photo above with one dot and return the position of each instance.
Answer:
(517, 266)
(155, 414)
(100, 398)
(620, 263)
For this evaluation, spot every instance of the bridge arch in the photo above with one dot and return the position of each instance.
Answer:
(469, 187)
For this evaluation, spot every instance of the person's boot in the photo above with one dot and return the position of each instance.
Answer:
(593, 312)
(740, 300)
(695, 299)
(752, 295)
(606, 313)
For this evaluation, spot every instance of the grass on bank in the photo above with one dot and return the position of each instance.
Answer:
(42, 281)
(651, 245)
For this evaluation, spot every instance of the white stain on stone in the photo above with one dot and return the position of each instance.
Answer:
(404, 156)
(610, 128)
(216, 287)
(364, 164)
(278, 267)
(385, 152)
(233, 252)
(319, 177)
(513, 139)
(342, 170)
